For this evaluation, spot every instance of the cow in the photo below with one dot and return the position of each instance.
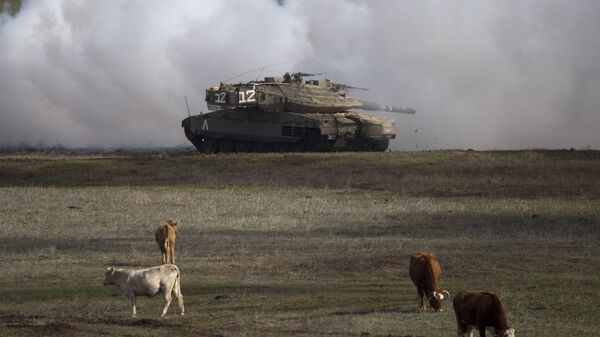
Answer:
(480, 310)
(147, 282)
(165, 237)
(425, 273)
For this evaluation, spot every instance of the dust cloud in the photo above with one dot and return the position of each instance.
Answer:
(481, 74)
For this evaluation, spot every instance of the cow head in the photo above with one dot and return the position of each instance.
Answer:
(172, 223)
(436, 299)
(109, 276)
(505, 333)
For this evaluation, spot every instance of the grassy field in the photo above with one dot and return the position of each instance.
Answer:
(300, 244)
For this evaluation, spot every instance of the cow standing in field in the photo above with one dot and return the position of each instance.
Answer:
(165, 237)
(480, 310)
(147, 282)
(425, 273)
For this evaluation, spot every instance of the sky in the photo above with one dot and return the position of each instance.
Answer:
(511, 74)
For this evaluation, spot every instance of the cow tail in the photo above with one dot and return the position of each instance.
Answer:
(177, 281)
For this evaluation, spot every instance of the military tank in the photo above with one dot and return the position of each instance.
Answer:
(289, 114)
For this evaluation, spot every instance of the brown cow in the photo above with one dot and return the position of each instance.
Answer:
(165, 237)
(480, 310)
(425, 272)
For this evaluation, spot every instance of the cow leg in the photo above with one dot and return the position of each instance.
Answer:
(168, 252)
(469, 332)
(173, 252)
(421, 295)
(179, 296)
(167, 302)
(132, 302)
(481, 331)
(465, 333)
(463, 329)
(180, 303)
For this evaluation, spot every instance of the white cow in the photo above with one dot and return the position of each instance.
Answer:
(147, 282)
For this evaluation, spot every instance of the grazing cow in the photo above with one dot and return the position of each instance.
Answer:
(425, 273)
(165, 237)
(480, 310)
(147, 282)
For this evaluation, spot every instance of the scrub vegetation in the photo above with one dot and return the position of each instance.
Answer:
(299, 244)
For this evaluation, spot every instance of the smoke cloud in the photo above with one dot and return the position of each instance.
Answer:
(484, 75)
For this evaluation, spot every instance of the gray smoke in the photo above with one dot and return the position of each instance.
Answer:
(482, 75)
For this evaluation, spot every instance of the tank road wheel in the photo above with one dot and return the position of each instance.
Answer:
(225, 146)
(380, 145)
(297, 147)
(209, 146)
(242, 146)
(281, 147)
(261, 147)
(311, 140)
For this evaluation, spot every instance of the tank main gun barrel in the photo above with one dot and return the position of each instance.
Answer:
(340, 86)
(373, 106)
(305, 74)
(345, 86)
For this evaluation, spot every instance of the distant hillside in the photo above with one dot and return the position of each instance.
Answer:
(11, 7)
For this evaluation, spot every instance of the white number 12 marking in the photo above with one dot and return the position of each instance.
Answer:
(247, 96)
(220, 97)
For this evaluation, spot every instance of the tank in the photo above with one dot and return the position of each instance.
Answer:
(289, 114)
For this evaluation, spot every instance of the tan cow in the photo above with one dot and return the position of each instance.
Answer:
(425, 273)
(481, 311)
(165, 237)
(147, 282)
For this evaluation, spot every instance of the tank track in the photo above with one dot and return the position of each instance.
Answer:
(309, 143)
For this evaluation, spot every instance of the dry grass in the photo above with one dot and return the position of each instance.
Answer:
(426, 174)
(291, 259)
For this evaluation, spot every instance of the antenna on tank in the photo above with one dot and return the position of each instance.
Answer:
(188, 106)
(256, 69)
(261, 71)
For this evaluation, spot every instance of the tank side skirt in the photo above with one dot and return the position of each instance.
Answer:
(316, 131)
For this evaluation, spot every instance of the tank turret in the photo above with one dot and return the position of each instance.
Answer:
(289, 113)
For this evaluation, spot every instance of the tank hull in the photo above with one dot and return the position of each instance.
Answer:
(254, 130)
